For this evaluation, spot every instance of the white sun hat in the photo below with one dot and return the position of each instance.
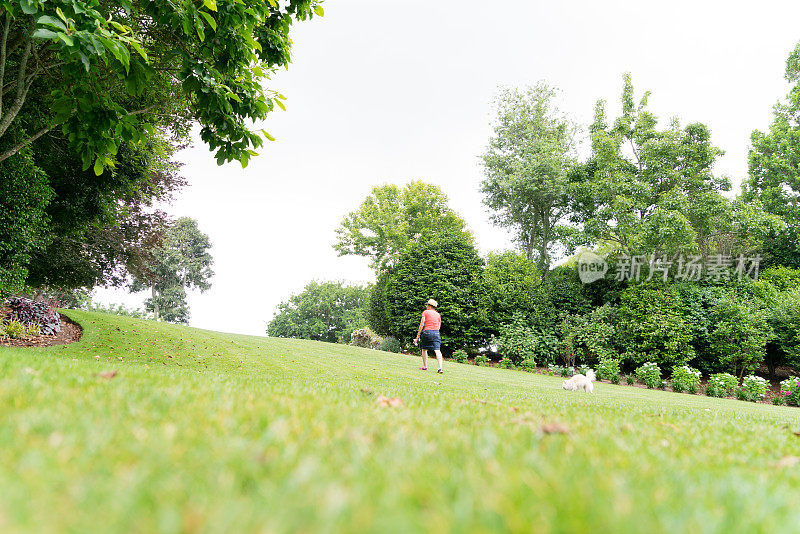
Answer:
(433, 303)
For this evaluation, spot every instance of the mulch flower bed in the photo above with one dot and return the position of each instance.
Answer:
(70, 332)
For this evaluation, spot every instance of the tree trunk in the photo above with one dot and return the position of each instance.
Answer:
(544, 240)
(155, 303)
(529, 247)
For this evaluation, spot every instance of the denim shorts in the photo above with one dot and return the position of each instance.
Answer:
(430, 340)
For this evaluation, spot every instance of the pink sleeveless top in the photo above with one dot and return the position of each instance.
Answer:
(432, 319)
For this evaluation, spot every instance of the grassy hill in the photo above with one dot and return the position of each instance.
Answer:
(207, 432)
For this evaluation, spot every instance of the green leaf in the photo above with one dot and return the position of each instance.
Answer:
(319, 11)
(29, 7)
(85, 61)
(50, 21)
(280, 104)
(98, 167)
(209, 19)
(267, 135)
(41, 33)
(210, 4)
(252, 42)
(198, 24)
(136, 45)
(60, 14)
(69, 41)
(234, 96)
(119, 51)
(119, 27)
(273, 3)
(252, 152)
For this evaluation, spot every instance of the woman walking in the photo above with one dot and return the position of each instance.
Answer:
(428, 334)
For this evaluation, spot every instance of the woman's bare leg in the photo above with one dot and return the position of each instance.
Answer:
(438, 357)
(424, 358)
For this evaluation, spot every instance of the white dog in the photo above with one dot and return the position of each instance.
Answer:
(581, 382)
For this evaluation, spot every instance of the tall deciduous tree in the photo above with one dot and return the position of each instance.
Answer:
(324, 311)
(526, 167)
(774, 165)
(391, 217)
(182, 261)
(103, 228)
(108, 71)
(648, 190)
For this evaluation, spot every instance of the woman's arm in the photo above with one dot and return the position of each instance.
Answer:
(421, 326)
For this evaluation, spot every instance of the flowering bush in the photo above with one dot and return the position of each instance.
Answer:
(608, 369)
(482, 360)
(684, 378)
(649, 374)
(460, 356)
(721, 385)
(507, 363)
(528, 365)
(753, 388)
(559, 370)
(553, 370)
(364, 337)
(790, 391)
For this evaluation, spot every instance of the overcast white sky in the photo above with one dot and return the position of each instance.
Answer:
(386, 91)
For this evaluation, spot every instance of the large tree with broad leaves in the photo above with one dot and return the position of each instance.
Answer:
(525, 166)
(108, 71)
(648, 190)
(181, 262)
(775, 170)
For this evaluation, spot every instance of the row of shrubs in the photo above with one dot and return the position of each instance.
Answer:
(733, 326)
(684, 379)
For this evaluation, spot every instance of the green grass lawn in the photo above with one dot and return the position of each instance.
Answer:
(208, 432)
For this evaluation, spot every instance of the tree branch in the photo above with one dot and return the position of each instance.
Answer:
(3, 57)
(144, 110)
(16, 148)
(22, 87)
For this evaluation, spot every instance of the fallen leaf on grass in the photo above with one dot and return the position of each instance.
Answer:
(31, 371)
(394, 402)
(554, 428)
(787, 461)
(367, 391)
(108, 375)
